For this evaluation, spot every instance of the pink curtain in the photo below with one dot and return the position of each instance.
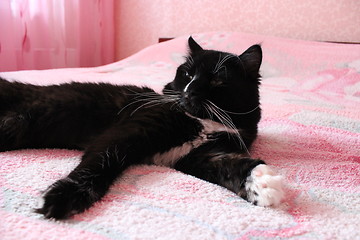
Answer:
(42, 34)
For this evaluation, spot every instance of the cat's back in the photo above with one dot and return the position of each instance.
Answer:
(74, 94)
(64, 115)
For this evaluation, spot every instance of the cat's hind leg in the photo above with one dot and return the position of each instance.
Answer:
(14, 120)
(13, 127)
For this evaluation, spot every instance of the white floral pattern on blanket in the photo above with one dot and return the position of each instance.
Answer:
(310, 133)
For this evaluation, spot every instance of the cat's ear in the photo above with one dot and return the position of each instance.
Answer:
(252, 59)
(194, 46)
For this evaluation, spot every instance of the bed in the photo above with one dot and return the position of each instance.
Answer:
(309, 132)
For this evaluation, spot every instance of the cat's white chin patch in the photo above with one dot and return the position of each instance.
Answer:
(264, 187)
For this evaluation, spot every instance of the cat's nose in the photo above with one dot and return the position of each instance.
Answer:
(190, 97)
(186, 99)
(186, 96)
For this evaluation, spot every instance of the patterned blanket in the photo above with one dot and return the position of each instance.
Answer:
(309, 132)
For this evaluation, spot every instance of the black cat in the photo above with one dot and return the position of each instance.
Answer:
(202, 125)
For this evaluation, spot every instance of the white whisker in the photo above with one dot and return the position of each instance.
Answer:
(219, 65)
(243, 113)
(128, 105)
(147, 104)
(235, 113)
(150, 99)
(225, 119)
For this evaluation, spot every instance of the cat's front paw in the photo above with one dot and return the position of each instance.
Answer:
(65, 198)
(264, 187)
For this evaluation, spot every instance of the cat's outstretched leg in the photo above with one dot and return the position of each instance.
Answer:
(263, 187)
(103, 161)
(252, 180)
(86, 184)
(249, 178)
(125, 144)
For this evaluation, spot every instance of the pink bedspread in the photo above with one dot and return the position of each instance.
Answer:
(310, 133)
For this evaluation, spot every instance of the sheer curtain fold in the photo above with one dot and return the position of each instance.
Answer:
(42, 34)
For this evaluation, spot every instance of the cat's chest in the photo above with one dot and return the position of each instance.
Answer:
(170, 157)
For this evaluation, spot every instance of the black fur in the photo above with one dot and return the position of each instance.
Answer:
(118, 126)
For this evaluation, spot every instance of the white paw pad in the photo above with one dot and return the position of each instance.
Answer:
(264, 187)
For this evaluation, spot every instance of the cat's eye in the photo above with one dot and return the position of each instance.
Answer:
(187, 75)
(216, 82)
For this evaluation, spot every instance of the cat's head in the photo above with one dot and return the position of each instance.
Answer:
(211, 80)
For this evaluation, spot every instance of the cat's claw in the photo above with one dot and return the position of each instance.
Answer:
(264, 187)
(66, 198)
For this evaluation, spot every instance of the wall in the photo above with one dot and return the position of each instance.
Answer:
(42, 34)
(140, 23)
